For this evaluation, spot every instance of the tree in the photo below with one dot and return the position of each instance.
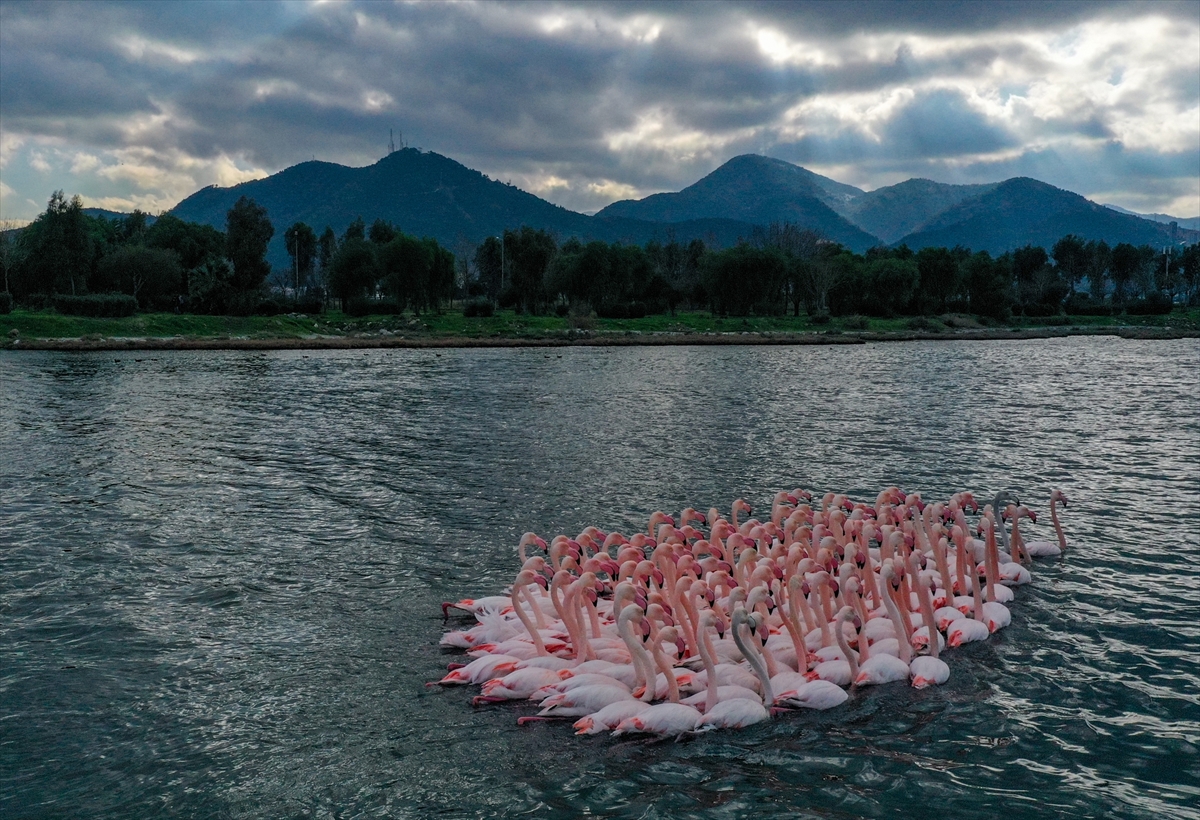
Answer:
(1126, 259)
(989, 287)
(301, 243)
(404, 264)
(937, 270)
(247, 232)
(151, 275)
(1071, 257)
(488, 261)
(530, 253)
(355, 230)
(381, 232)
(354, 271)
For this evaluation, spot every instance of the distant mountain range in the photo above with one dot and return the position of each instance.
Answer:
(1192, 223)
(427, 194)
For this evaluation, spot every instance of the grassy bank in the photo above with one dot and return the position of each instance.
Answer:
(33, 329)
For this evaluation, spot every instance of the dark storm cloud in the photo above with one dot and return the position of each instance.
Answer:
(580, 103)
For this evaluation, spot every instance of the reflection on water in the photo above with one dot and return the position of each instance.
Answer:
(222, 571)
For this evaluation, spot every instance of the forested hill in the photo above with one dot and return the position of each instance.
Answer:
(1023, 211)
(424, 194)
(758, 190)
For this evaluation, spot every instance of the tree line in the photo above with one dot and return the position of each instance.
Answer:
(783, 268)
(171, 264)
(67, 257)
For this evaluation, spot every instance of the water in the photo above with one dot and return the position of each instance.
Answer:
(222, 575)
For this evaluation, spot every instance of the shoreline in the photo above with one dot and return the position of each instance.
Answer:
(580, 339)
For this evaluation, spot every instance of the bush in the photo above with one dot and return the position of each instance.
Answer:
(309, 304)
(267, 307)
(105, 305)
(366, 307)
(613, 310)
(6, 302)
(479, 308)
(1083, 305)
(562, 310)
(1155, 304)
(856, 322)
(1039, 309)
(822, 318)
(924, 323)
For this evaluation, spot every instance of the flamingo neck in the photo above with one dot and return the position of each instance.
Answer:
(525, 621)
(851, 657)
(1058, 530)
(893, 613)
(752, 658)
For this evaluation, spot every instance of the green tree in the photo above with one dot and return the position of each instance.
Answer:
(301, 243)
(1071, 257)
(381, 232)
(153, 276)
(354, 270)
(355, 230)
(1126, 261)
(405, 265)
(530, 253)
(989, 285)
(937, 270)
(247, 232)
(488, 261)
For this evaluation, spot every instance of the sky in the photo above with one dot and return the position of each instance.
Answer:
(139, 104)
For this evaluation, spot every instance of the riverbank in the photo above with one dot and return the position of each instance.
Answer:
(46, 330)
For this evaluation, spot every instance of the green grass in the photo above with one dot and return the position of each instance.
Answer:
(507, 324)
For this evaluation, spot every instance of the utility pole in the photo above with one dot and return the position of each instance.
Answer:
(391, 142)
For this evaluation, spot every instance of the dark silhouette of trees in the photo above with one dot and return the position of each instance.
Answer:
(301, 243)
(247, 232)
(529, 253)
(153, 276)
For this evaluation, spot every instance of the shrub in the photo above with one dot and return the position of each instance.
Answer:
(309, 304)
(106, 305)
(821, 318)
(267, 307)
(924, 323)
(479, 308)
(856, 322)
(366, 307)
(1039, 309)
(1056, 321)
(1082, 305)
(6, 302)
(613, 310)
(1155, 304)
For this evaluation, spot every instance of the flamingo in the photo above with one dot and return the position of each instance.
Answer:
(881, 668)
(928, 669)
(1044, 549)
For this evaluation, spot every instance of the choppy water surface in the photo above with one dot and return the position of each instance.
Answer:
(222, 575)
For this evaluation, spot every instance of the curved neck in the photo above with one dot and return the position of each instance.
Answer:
(1058, 530)
(894, 614)
(851, 657)
(710, 668)
(525, 621)
(752, 657)
(926, 599)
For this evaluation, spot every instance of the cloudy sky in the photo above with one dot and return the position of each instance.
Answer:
(141, 103)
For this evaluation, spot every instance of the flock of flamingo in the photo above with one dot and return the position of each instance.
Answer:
(677, 630)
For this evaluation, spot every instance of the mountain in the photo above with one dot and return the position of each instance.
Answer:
(426, 194)
(897, 210)
(1022, 211)
(1192, 223)
(757, 190)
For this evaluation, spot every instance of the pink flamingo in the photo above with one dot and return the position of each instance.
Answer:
(1044, 549)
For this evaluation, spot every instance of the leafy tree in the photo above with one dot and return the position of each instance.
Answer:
(1189, 264)
(353, 272)
(301, 243)
(1126, 261)
(745, 279)
(151, 275)
(405, 265)
(937, 270)
(530, 253)
(488, 262)
(355, 230)
(1099, 263)
(60, 249)
(989, 286)
(192, 241)
(210, 286)
(1071, 257)
(381, 232)
(247, 232)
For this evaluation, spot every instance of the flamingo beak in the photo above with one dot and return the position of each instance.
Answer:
(681, 646)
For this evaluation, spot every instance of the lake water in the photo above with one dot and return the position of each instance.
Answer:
(222, 574)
